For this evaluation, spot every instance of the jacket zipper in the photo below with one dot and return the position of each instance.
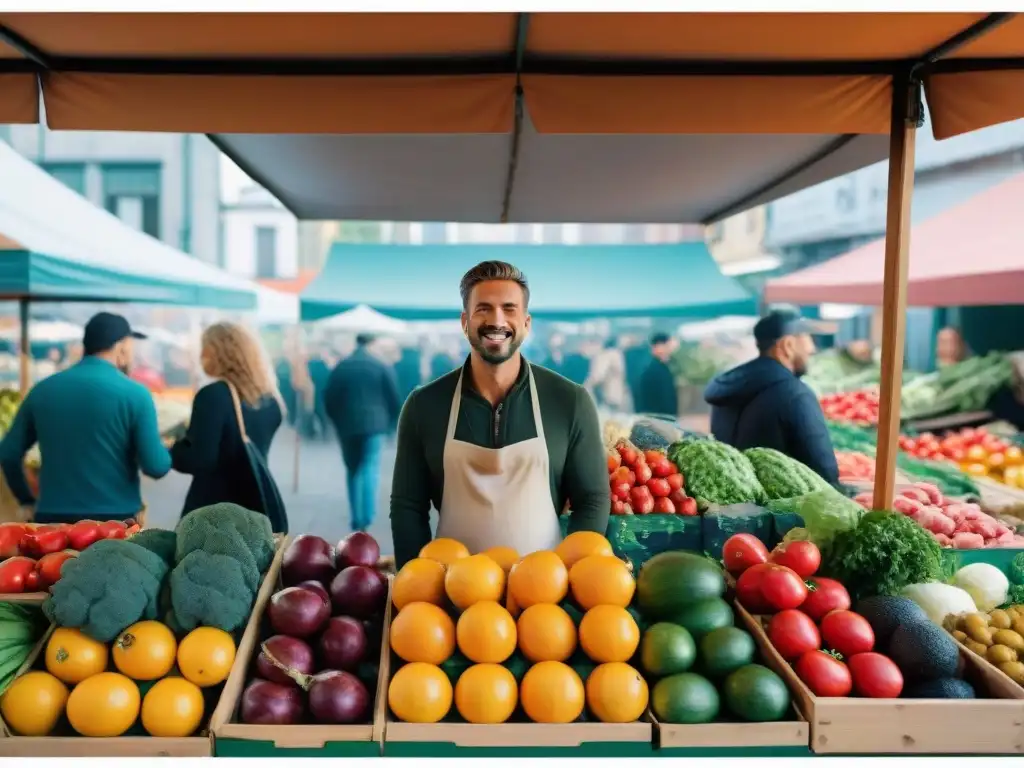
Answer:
(497, 423)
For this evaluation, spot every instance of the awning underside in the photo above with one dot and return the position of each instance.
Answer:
(555, 117)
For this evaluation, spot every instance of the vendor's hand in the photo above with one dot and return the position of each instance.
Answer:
(169, 442)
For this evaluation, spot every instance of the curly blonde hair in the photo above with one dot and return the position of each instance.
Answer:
(236, 356)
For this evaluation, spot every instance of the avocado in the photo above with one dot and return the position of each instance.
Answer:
(885, 613)
(924, 651)
(944, 688)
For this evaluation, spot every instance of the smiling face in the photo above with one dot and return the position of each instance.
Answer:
(495, 321)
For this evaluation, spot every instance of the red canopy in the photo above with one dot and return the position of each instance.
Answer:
(969, 255)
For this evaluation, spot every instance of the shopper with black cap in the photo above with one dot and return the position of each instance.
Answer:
(764, 404)
(96, 429)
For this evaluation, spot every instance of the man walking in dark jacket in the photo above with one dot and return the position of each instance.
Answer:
(361, 399)
(764, 404)
(658, 394)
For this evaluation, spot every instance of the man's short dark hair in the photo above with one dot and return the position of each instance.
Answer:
(487, 271)
(659, 338)
(363, 339)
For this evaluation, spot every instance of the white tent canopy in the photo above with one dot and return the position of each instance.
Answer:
(363, 319)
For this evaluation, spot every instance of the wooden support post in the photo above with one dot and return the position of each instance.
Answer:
(24, 349)
(906, 108)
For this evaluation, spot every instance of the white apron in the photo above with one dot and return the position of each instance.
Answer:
(498, 496)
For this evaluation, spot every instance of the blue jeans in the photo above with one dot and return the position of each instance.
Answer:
(362, 464)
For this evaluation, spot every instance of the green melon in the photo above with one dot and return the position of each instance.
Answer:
(672, 581)
(705, 616)
(667, 649)
(686, 699)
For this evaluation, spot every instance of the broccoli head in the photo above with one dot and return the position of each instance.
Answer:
(210, 590)
(159, 542)
(1016, 570)
(110, 586)
(200, 526)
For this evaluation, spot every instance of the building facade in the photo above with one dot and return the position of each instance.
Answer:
(164, 184)
(261, 237)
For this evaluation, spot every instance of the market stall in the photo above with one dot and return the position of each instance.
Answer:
(57, 246)
(555, 117)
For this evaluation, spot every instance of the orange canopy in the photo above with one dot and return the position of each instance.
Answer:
(589, 75)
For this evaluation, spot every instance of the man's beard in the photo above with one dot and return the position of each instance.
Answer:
(124, 368)
(800, 368)
(489, 355)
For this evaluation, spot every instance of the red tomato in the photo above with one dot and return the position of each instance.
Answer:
(84, 533)
(875, 676)
(619, 508)
(659, 487)
(688, 507)
(42, 542)
(13, 573)
(804, 557)
(11, 535)
(33, 582)
(825, 595)
(643, 473)
(663, 468)
(675, 481)
(743, 551)
(783, 588)
(614, 462)
(663, 506)
(628, 453)
(847, 632)
(793, 634)
(623, 475)
(641, 500)
(748, 588)
(653, 457)
(49, 567)
(113, 529)
(621, 491)
(824, 674)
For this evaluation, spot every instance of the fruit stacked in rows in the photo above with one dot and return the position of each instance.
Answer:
(646, 482)
(860, 408)
(143, 676)
(548, 635)
(831, 648)
(700, 664)
(977, 451)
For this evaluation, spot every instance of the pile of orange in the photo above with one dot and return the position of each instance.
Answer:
(485, 607)
(145, 673)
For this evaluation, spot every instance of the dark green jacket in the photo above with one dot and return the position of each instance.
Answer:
(579, 467)
(96, 430)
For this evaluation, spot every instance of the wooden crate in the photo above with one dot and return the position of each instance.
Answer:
(235, 739)
(907, 726)
(138, 746)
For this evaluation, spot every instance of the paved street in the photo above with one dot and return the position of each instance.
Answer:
(320, 506)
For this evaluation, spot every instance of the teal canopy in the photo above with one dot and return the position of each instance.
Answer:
(57, 246)
(567, 282)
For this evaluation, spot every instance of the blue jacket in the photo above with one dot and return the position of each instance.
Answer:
(96, 430)
(762, 404)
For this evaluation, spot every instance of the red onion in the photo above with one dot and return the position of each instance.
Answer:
(343, 643)
(287, 651)
(297, 612)
(320, 589)
(359, 591)
(307, 558)
(338, 698)
(358, 548)
(267, 703)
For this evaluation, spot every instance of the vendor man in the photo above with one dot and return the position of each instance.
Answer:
(498, 445)
(96, 430)
(763, 403)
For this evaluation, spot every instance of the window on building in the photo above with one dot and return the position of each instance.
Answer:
(132, 193)
(71, 175)
(266, 252)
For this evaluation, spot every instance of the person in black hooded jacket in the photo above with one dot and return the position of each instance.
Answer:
(763, 403)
